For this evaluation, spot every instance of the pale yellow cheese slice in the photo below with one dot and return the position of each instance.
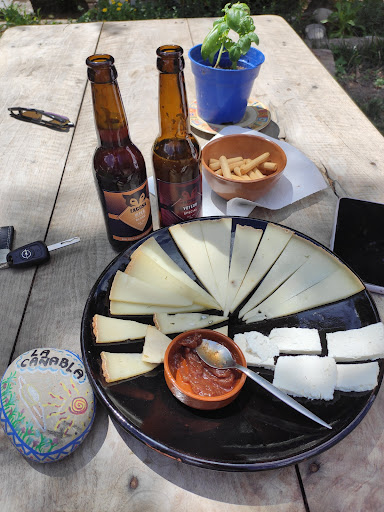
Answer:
(217, 237)
(245, 244)
(128, 308)
(189, 239)
(222, 330)
(155, 345)
(296, 252)
(318, 266)
(109, 330)
(123, 366)
(274, 239)
(130, 289)
(152, 249)
(146, 269)
(181, 322)
(337, 286)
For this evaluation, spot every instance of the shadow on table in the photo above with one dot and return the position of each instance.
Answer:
(83, 454)
(240, 488)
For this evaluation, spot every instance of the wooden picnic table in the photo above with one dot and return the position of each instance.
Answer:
(47, 192)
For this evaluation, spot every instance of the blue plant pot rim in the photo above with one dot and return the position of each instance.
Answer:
(250, 60)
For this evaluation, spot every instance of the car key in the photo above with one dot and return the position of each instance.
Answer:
(33, 254)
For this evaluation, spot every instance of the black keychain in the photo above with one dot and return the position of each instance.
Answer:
(33, 254)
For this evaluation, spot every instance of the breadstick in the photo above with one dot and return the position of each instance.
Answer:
(213, 161)
(254, 163)
(255, 174)
(219, 171)
(225, 167)
(216, 165)
(237, 171)
(268, 166)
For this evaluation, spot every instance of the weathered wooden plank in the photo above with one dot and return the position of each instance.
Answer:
(62, 288)
(40, 67)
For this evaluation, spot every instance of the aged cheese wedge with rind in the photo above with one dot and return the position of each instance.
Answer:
(127, 309)
(357, 377)
(246, 240)
(120, 366)
(311, 377)
(110, 330)
(318, 266)
(144, 268)
(152, 249)
(189, 239)
(217, 238)
(366, 343)
(130, 289)
(274, 239)
(295, 254)
(296, 340)
(169, 324)
(337, 286)
(155, 345)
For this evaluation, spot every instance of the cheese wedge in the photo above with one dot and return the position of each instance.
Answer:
(152, 249)
(129, 289)
(144, 268)
(337, 286)
(123, 366)
(245, 244)
(110, 330)
(181, 322)
(189, 239)
(222, 330)
(296, 252)
(155, 345)
(296, 340)
(127, 308)
(217, 237)
(357, 377)
(362, 344)
(274, 239)
(318, 266)
(311, 377)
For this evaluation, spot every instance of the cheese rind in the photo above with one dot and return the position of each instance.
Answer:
(169, 324)
(129, 308)
(245, 244)
(155, 345)
(296, 340)
(311, 377)
(110, 330)
(357, 377)
(119, 366)
(366, 343)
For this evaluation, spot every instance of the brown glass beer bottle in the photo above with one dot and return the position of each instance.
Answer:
(176, 152)
(119, 167)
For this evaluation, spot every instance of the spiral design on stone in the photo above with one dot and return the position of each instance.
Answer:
(78, 406)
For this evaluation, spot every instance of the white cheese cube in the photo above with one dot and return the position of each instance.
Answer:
(295, 340)
(362, 344)
(257, 349)
(357, 377)
(312, 377)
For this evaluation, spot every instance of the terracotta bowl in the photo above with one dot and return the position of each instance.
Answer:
(247, 146)
(183, 392)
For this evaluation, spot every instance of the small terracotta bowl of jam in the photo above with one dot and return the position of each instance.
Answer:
(195, 383)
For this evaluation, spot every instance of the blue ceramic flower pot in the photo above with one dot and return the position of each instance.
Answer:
(222, 94)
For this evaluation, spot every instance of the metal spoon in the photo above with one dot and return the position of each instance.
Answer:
(218, 356)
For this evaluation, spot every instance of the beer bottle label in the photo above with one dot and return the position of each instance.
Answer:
(129, 213)
(179, 201)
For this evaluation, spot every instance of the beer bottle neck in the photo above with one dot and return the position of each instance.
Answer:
(110, 119)
(173, 108)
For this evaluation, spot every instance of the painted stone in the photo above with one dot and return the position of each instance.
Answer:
(47, 404)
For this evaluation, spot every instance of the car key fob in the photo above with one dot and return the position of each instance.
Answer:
(28, 255)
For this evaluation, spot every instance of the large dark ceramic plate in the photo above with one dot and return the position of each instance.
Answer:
(256, 431)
